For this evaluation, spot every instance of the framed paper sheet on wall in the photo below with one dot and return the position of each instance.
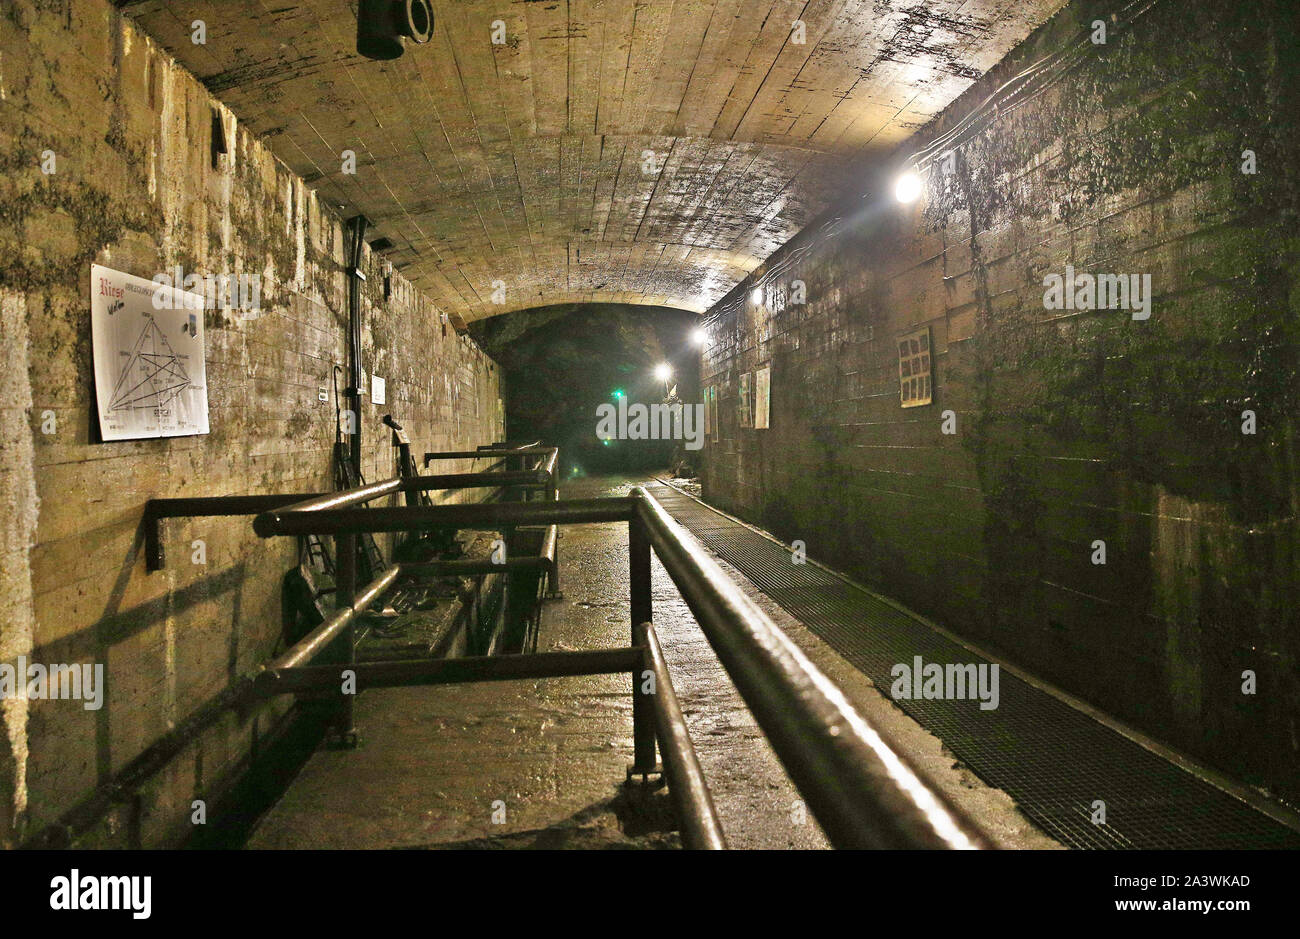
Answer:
(762, 397)
(147, 340)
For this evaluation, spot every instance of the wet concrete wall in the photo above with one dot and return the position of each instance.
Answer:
(137, 187)
(1071, 426)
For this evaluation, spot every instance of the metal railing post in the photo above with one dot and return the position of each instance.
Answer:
(345, 546)
(643, 729)
(553, 495)
(686, 785)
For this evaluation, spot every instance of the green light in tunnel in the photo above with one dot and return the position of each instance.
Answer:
(618, 392)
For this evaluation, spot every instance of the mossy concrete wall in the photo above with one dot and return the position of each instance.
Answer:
(1071, 426)
(135, 189)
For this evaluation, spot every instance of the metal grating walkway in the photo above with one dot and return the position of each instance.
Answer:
(1051, 758)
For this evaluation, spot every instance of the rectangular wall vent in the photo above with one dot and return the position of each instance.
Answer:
(914, 369)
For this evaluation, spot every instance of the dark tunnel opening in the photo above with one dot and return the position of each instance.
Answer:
(563, 363)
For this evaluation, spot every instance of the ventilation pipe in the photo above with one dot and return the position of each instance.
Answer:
(381, 24)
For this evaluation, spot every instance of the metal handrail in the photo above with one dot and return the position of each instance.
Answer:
(310, 645)
(168, 746)
(690, 792)
(480, 454)
(291, 521)
(155, 510)
(860, 788)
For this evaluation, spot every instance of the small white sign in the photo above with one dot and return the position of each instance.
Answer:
(378, 394)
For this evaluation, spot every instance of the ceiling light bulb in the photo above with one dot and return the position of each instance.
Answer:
(907, 188)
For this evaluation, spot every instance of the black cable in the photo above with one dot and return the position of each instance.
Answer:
(338, 412)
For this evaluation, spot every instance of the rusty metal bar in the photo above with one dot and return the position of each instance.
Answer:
(310, 645)
(862, 791)
(472, 568)
(155, 510)
(307, 678)
(324, 521)
(695, 810)
(481, 454)
(643, 732)
(477, 480)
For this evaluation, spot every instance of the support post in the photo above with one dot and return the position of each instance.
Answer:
(154, 559)
(643, 729)
(553, 495)
(346, 589)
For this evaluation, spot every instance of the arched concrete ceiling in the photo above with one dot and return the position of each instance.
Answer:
(609, 150)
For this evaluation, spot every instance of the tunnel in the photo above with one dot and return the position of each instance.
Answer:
(574, 426)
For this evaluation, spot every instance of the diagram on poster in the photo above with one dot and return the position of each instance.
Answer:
(150, 379)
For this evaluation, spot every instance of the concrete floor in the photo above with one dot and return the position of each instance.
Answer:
(540, 763)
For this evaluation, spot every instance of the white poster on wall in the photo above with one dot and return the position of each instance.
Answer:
(150, 379)
(762, 397)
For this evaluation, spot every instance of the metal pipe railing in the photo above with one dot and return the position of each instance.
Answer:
(690, 793)
(300, 679)
(478, 480)
(551, 551)
(349, 497)
(310, 645)
(475, 568)
(481, 454)
(860, 789)
(155, 510)
(237, 695)
(510, 445)
(293, 521)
